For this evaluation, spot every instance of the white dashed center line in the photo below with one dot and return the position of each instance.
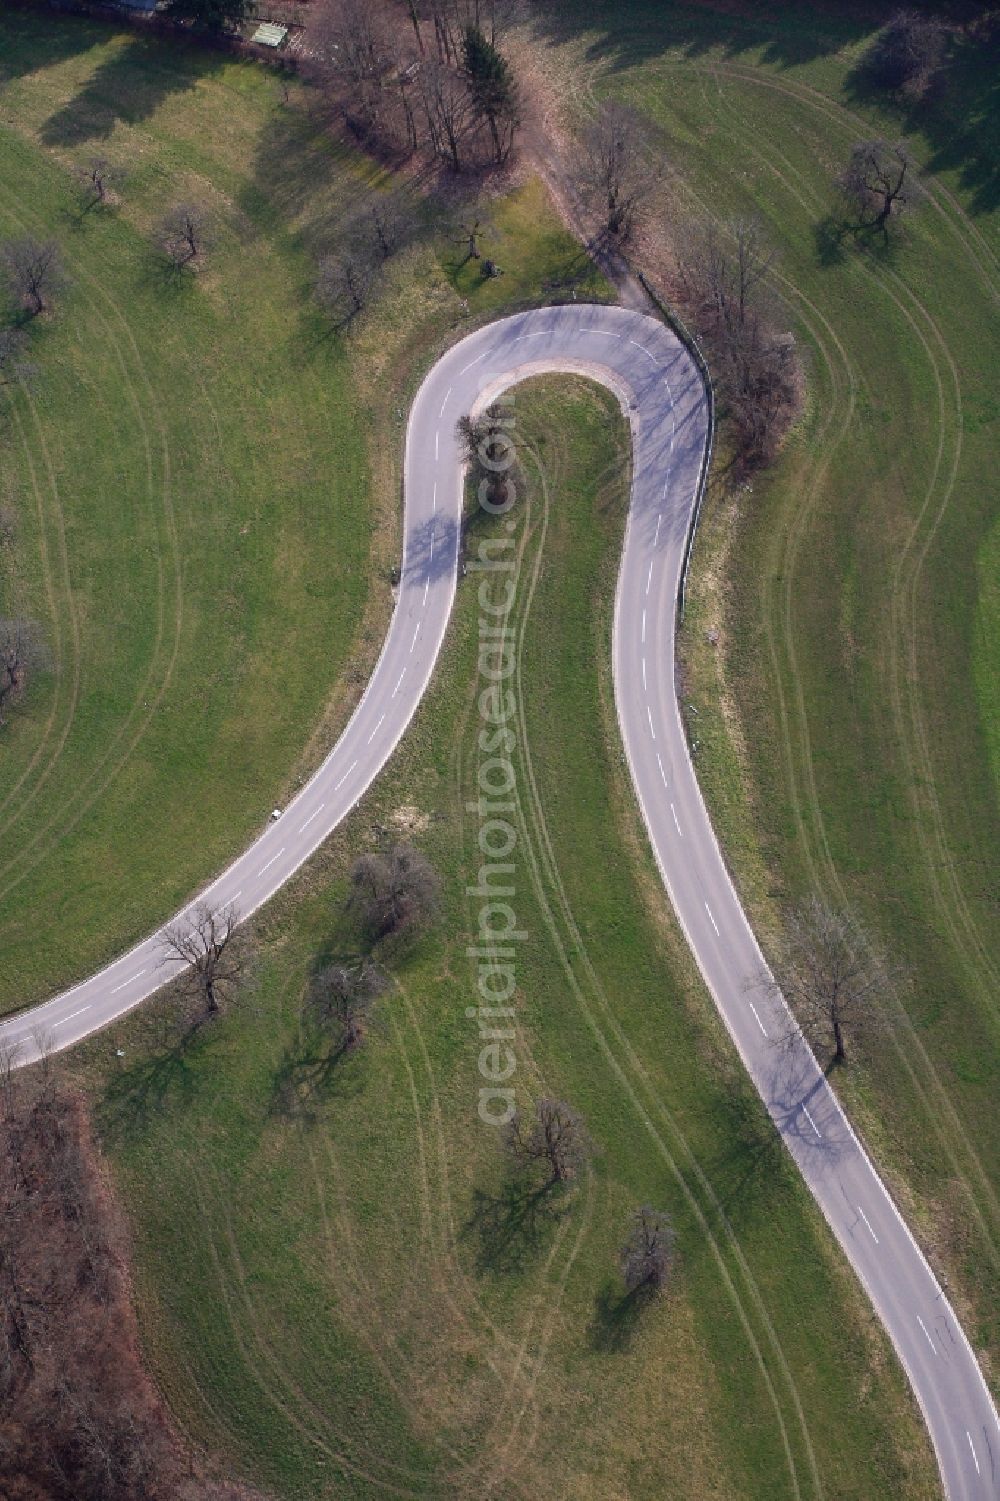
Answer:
(269, 863)
(659, 763)
(805, 1111)
(345, 776)
(444, 403)
(375, 731)
(712, 920)
(426, 587)
(972, 1446)
(643, 627)
(644, 674)
(760, 1024)
(927, 1333)
(437, 443)
(434, 497)
(72, 1017)
(399, 682)
(416, 633)
(676, 821)
(649, 576)
(649, 713)
(313, 814)
(868, 1223)
(656, 538)
(128, 981)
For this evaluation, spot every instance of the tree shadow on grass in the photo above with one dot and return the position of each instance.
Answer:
(142, 1090)
(617, 1315)
(513, 1224)
(129, 87)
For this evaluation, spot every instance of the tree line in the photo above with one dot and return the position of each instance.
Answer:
(455, 96)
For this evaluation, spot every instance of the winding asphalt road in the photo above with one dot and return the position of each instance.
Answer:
(661, 392)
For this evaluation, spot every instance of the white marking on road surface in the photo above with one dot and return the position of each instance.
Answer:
(927, 1332)
(644, 672)
(271, 861)
(650, 714)
(434, 497)
(868, 1223)
(399, 681)
(72, 1017)
(313, 814)
(643, 627)
(712, 920)
(416, 633)
(584, 329)
(674, 812)
(444, 403)
(657, 536)
(809, 1118)
(437, 444)
(643, 348)
(345, 776)
(427, 585)
(659, 763)
(972, 1446)
(649, 576)
(538, 333)
(760, 1024)
(474, 362)
(375, 731)
(128, 981)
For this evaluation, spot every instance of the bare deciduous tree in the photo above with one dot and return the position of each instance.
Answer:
(10, 1053)
(648, 1252)
(185, 234)
(554, 1135)
(22, 653)
(832, 976)
(33, 272)
(393, 893)
(343, 997)
(874, 182)
(215, 958)
(724, 270)
(358, 61)
(618, 170)
(99, 178)
(906, 53)
(448, 107)
(345, 283)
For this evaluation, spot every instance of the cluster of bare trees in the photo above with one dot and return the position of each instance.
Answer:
(724, 271)
(552, 1136)
(379, 227)
(451, 91)
(80, 1419)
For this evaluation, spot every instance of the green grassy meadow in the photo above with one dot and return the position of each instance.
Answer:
(848, 717)
(343, 1291)
(202, 476)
